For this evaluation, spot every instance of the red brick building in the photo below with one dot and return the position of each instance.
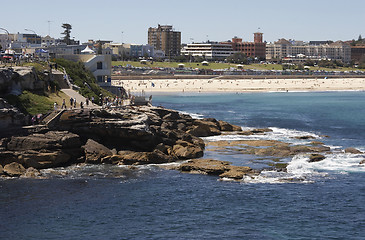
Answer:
(257, 48)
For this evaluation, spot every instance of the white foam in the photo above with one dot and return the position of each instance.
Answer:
(193, 115)
(279, 134)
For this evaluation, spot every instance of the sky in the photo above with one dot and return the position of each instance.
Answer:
(197, 20)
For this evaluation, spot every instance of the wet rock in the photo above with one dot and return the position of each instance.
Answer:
(205, 166)
(14, 169)
(362, 162)
(31, 173)
(95, 151)
(316, 143)
(316, 158)
(236, 172)
(258, 131)
(353, 150)
(139, 158)
(305, 137)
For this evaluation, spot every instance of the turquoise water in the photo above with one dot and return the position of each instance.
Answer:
(327, 201)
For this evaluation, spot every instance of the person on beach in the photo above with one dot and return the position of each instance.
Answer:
(87, 102)
(74, 102)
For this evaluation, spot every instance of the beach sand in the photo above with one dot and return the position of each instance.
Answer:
(243, 85)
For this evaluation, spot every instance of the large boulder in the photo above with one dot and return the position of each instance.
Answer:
(227, 127)
(44, 159)
(315, 157)
(95, 151)
(14, 169)
(205, 127)
(49, 140)
(353, 150)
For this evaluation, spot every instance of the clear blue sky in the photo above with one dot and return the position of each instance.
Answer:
(199, 20)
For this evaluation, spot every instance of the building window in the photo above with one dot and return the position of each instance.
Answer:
(100, 78)
(99, 65)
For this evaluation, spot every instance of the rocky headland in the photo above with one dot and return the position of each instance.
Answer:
(125, 136)
(137, 136)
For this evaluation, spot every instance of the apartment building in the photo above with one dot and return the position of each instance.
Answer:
(299, 51)
(209, 50)
(166, 39)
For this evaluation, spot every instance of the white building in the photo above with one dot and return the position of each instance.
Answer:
(300, 51)
(208, 50)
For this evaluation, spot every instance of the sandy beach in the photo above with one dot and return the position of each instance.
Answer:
(242, 85)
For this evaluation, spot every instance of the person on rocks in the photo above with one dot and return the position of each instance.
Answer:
(82, 105)
(87, 102)
(74, 102)
(54, 106)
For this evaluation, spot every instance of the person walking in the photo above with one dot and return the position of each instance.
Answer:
(63, 104)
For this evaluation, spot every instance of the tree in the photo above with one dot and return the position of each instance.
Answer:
(100, 48)
(238, 58)
(360, 38)
(67, 33)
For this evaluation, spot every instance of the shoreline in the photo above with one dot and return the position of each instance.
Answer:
(217, 85)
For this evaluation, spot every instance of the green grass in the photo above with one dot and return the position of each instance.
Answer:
(31, 103)
(214, 66)
(83, 78)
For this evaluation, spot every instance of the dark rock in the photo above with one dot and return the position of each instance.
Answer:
(353, 150)
(95, 151)
(316, 157)
(305, 137)
(14, 169)
(362, 162)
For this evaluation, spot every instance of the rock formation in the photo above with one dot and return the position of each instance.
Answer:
(128, 136)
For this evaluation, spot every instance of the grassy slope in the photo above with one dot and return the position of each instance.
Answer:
(83, 78)
(35, 102)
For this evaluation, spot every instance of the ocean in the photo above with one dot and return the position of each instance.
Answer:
(322, 200)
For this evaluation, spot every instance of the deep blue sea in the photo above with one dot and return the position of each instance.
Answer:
(325, 200)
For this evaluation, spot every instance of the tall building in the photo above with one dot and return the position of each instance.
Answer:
(166, 39)
(257, 48)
